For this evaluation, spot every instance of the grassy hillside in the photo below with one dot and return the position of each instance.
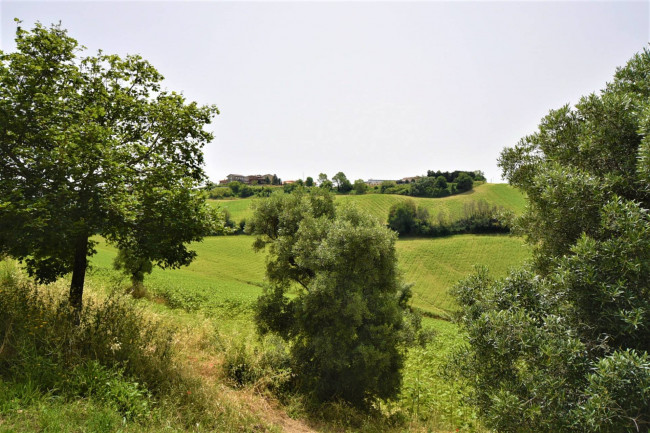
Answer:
(378, 204)
(227, 275)
(435, 265)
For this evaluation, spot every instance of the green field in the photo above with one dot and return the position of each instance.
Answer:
(498, 194)
(227, 275)
(435, 265)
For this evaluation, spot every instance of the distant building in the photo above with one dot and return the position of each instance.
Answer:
(255, 179)
(375, 182)
(251, 179)
(237, 178)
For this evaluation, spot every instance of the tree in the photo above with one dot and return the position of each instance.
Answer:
(309, 182)
(92, 146)
(322, 178)
(402, 217)
(360, 186)
(440, 182)
(340, 178)
(464, 182)
(346, 325)
(562, 344)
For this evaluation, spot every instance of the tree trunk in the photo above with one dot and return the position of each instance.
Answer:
(79, 275)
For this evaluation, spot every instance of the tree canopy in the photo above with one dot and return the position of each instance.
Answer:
(346, 325)
(562, 344)
(93, 146)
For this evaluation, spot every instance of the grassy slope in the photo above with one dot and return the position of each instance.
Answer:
(228, 274)
(226, 278)
(378, 204)
(435, 265)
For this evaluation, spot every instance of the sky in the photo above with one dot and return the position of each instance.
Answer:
(377, 90)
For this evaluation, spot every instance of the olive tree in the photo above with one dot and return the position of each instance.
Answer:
(91, 146)
(562, 344)
(346, 325)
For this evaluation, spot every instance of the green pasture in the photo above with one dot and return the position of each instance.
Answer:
(435, 265)
(224, 279)
(227, 275)
(498, 194)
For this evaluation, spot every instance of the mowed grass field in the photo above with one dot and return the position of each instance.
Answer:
(227, 276)
(435, 265)
(500, 194)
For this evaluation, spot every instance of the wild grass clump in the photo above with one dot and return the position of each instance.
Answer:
(266, 367)
(117, 357)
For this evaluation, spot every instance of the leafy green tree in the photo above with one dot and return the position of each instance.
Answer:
(440, 182)
(464, 182)
(562, 344)
(402, 217)
(342, 182)
(322, 178)
(93, 146)
(360, 186)
(235, 186)
(386, 186)
(346, 325)
(309, 182)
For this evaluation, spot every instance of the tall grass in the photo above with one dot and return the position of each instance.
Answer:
(118, 358)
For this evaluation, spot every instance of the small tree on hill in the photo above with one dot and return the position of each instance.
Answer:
(360, 186)
(346, 326)
(322, 177)
(342, 182)
(92, 146)
(464, 182)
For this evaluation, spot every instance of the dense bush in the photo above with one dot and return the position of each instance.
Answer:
(562, 345)
(347, 325)
(478, 217)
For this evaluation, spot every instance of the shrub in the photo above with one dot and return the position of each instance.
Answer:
(346, 328)
(562, 345)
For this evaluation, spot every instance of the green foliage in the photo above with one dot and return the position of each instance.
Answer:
(41, 345)
(359, 186)
(562, 345)
(342, 183)
(464, 182)
(478, 217)
(450, 208)
(346, 326)
(430, 187)
(92, 146)
(116, 364)
(406, 218)
(309, 182)
(428, 394)
(135, 267)
(264, 367)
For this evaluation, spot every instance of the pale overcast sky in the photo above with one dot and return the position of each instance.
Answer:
(377, 90)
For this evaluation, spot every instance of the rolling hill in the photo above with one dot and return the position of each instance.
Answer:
(498, 194)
